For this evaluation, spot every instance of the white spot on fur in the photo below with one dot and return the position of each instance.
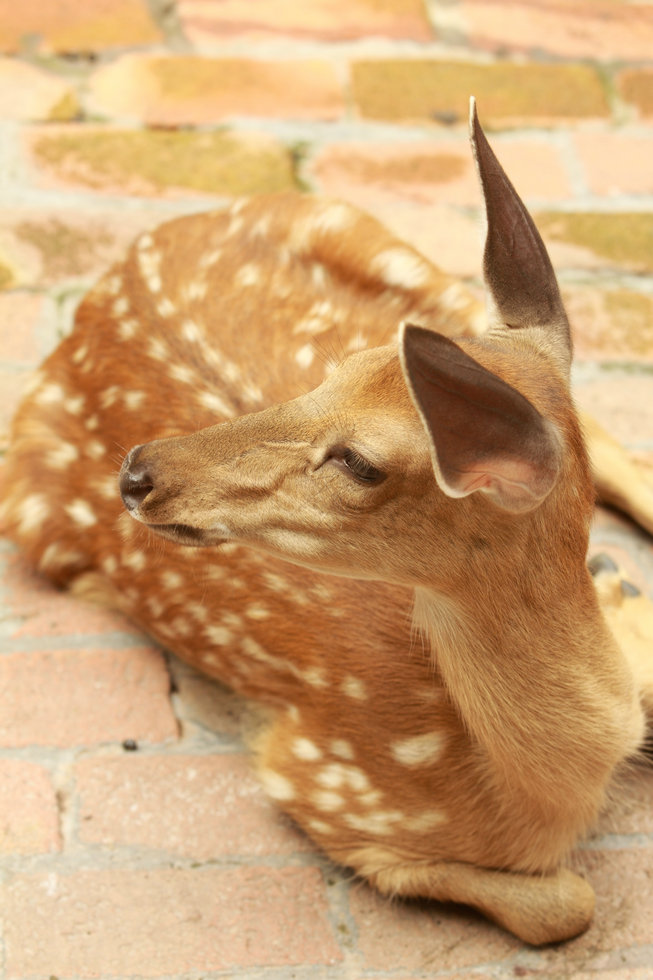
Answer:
(377, 822)
(419, 750)
(276, 785)
(305, 749)
(305, 356)
(127, 329)
(341, 748)
(61, 457)
(353, 687)
(328, 801)
(120, 306)
(32, 512)
(165, 307)
(157, 349)
(257, 611)
(219, 635)
(96, 450)
(171, 579)
(49, 394)
(248, 275)
(74, 404)
(133, 399)
(320, 827)
(80, 354)
(424, 821)
(400, 267)
(191, 331)
(135, 560)
(109, 396)
(110, 564)
(55, 557)
(81, 512)
(180, 372)
(209, 399)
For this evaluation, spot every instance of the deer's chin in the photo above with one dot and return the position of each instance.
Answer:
(193, 537)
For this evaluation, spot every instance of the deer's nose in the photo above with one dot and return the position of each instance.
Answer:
(135, 481)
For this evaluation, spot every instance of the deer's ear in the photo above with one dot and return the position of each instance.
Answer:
(520, 281)
(485, 436)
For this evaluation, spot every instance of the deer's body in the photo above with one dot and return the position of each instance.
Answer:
(458, 754)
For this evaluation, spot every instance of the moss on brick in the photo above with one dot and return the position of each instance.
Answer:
(637, 87)
(150, 161)
(65, 251)
(622, 238)
(506, 93)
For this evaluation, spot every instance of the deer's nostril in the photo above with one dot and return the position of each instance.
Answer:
(135, 481)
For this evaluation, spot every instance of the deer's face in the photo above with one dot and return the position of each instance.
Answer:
(340, 479)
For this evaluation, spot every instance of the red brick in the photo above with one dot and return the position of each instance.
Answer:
(164, 922)
(29, 821)
(622, 403)
(631, 805)
(42, 246)
(610, 324)
(68, 26)
(13, 383)
(20, 314)
(39, 610)
(597, 29)
(83, 697)
(623, 881)
(176, 90)
(432, 172)
(616, 164)
(425, 936)
(196, 806)
(208, 21)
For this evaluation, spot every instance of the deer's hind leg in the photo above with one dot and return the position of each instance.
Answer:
(538, 909)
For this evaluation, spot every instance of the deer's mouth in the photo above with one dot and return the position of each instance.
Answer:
(187, 535)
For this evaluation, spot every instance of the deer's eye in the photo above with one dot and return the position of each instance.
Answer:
(356, 465)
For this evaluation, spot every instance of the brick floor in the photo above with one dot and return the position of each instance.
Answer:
(135, 840)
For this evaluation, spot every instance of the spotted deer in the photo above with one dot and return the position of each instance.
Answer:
(377, 530)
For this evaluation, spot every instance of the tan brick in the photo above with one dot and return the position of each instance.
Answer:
(79, 697)
(182, 89)
(196, 806)
(165, 923)
(610, 324)
(39, 610)
(424, 937)
(616, 163)
(68, 26)
(209, 21)
(621, 239)
(29, 822)
(160, 162)
(508, 94)
(28, 94)
(597, 29)
(635, 85)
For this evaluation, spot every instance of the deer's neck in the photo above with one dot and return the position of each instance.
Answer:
(542, 689)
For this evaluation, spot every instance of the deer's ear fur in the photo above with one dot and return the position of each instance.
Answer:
(485, 435)
(521, 286)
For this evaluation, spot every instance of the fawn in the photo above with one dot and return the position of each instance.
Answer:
(393, 559)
